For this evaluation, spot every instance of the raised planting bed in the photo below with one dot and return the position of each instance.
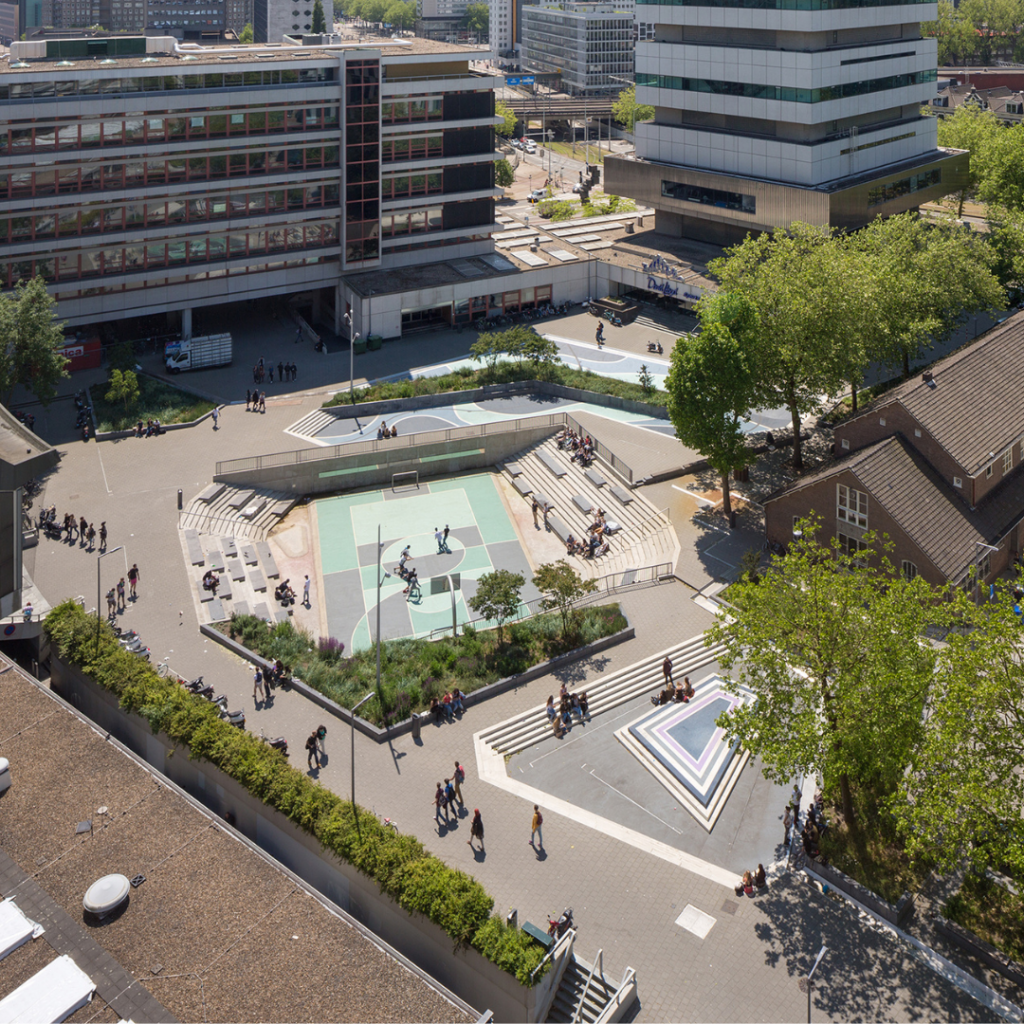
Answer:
(158, 400)
(988, 919)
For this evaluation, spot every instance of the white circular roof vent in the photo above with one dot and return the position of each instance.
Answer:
(106, 895)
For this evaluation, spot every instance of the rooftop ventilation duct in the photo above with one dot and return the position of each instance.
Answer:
(106, 895)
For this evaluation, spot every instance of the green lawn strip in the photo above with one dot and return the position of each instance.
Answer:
(466, 379)
(400, 864)
(158, 400)
(991, 912)
(413, 671)
(873, 852)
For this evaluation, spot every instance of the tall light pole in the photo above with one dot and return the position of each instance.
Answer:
(380, 580)
(101, 555)
(355, 708)
(351, 367)
(810, 976)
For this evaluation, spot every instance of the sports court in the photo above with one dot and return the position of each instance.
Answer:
(481, 538)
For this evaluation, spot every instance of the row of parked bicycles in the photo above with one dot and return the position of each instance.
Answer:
(522, 316)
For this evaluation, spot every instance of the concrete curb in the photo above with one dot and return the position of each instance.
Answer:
(114, 435)
(379, 735)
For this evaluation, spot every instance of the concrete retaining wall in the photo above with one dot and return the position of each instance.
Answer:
(827, 874)
(981, 949)
(465, 972)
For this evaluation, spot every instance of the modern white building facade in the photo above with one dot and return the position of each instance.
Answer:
(591, 45)
(790, 110)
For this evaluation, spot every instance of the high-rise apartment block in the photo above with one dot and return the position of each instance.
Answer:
(774, 111)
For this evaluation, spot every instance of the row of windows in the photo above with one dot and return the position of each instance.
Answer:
(411, 222)
(112, 85)
(852, 506)
(709, 196)
(420, 183)
(905, 186)
(99, 174)
(409, 148)
(878, 142)
(86, 134)
(425, 108)
(130, 284)
(124, 259)
(158, 211)
(785, 5)
(790, 94)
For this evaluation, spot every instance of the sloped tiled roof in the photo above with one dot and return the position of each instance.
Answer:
(977, 404)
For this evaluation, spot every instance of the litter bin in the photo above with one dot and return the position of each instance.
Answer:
(415, 726)
(374, 342)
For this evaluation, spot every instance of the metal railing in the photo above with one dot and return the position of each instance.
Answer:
(613, 1004)
(602, 450)
(654, 517)
(599, 959)
(556, 947)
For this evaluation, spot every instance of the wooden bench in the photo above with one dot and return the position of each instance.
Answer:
(209, 493)
(241, 499)
(553, 464)
(269, 565)
(535, 933)
(257, 580)
(594, 477)
(522, 487)
(583, 504)
(195, 549)
(249, 554)
(216, 610)
(263, 612)
(235, 569)
(514, 469)
(624, 496)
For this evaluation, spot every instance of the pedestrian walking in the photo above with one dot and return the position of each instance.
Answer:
(271, 373)
(263, 401)
(536, 509)
(787, 822)
(83, 528)
(547, 509)
(216, 416)
(476, 830)
(449, 794)
(321, 735)
(305, 592)
(457, 780)
(103, 536)
(111, 603)
(92, 536)
(666, 670)
(120, 594)
(440, 805)
(248, 399)
(133, 578)
(257, 683)
(439, 537)
(312, 754)
(298, 335)
(538, 820)
(295, 371)
(280, 371)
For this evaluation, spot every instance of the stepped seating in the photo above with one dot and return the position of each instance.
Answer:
(227, 512)
(310, 425)
(646, 538)
(644, 677)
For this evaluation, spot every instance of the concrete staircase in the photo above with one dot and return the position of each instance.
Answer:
(308, 427)
(575, 1000)
(532, 726)
(646, 537)
(216, 511)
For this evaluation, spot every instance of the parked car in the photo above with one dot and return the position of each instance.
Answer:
(577, 189)
(537, 195)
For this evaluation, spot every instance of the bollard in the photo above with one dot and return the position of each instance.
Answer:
(179, 499)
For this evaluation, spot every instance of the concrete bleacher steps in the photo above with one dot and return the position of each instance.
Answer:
(646, 537)
(643, 677)
(309, 426)
(230, 512)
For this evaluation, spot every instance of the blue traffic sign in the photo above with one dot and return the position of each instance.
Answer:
(527, 80)
(511, 81)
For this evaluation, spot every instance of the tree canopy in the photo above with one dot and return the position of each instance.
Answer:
(245, 36)
(477, 18)
(519, 342)
(508, 127)
(627, 111)
(977, 131)
(497, 597)
(562, 587)
(504, 175)
(712, 384)
(30, 342)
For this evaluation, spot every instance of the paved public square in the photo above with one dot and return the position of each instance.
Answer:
(629, 882)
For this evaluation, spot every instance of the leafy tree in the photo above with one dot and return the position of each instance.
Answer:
(646, 380)
(401, 14)
(504, 175)
(807, 297)
(977, 131)
(30, 342)
(928, 275)
(712, 384)
(245, 36)
(832, 649)
(956, 35)
(124, 387)
(964, 794)
(563, 587)
(487, 348)
(497, 597)
(507, 129)
(539, 349)
(1002, 181)
(319, 22)
(627, 111)
(1006, 239)
(477, 18)
(121, 356)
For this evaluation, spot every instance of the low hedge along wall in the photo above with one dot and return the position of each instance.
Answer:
(400, 865)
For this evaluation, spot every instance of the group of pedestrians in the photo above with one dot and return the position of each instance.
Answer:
(256, 400)
(285, 372)
(116, 595)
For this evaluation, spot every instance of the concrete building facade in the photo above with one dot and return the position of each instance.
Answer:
(8, 23)
(591, 45)
(793, 110)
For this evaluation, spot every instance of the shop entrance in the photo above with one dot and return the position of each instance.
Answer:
(426, 318)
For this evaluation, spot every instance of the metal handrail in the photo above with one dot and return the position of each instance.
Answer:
(602, 450)
(654, 515)
(616, 1000)
(586, 988)
(565, 939)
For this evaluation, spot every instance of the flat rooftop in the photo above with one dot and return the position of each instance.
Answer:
(687, 256)
(217, 931)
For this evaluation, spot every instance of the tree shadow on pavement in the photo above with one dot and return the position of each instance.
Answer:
(577, 671)
(868, 973)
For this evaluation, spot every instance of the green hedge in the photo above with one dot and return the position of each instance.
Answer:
(400, 864)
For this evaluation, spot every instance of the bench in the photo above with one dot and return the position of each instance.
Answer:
(253, 510)
(235, 569)
(208, 494)
(257, 580)
(195, 549)
(280, 508)
(216, 560)
(241, 499)
(269, 565)
(514, 469)
(224, 589)
(263, 612)
(249, 554)
(241, 608)
(522, 487)
(583, 504)
(216, 610)
(624, 496)
(558, 528)
(594, 477)
(230, 551)
(543, 500)
(535, 933)
(552, 463)
(204, 594)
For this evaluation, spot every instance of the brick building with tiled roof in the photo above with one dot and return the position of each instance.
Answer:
(934, 464)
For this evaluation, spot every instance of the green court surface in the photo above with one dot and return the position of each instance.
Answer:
(481, 538)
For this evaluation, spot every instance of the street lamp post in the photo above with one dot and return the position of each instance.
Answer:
(101, 555)
(355, 708)
(380, 580)
(810, 976)
(351, 367)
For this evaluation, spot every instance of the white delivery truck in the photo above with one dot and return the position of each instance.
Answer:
(198, 353)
